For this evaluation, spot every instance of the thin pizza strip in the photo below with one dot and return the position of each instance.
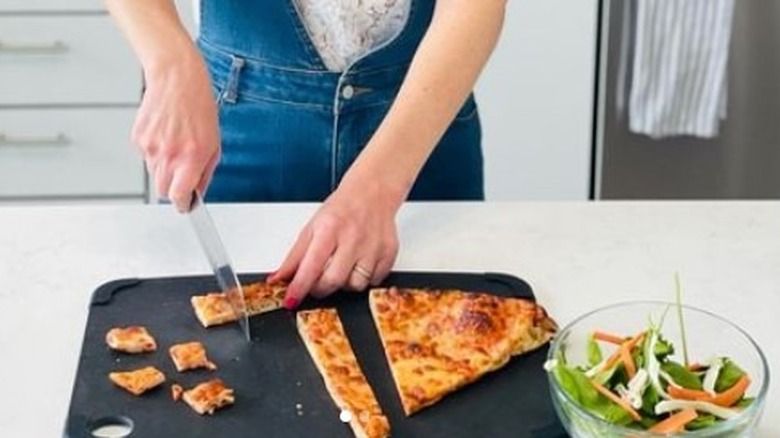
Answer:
(327, 343)
(260, 297)
(139, 381)
(437, 341)
(190, 356)
(209, 396)
(134, 339)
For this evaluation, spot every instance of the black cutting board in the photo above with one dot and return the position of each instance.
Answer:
(279, 392)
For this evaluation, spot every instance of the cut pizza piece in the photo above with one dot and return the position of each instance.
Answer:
(176, 392)
(190, 356)
(327, 343)
(139, 381)
(133, 339)
(213, 309)
(437, 341)
(209, 396)
(260, 297)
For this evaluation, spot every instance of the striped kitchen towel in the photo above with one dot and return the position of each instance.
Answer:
(679, 66)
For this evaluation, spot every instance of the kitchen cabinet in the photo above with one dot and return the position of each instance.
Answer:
(69, 88)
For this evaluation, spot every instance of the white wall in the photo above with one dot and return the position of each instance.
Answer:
(536, 101)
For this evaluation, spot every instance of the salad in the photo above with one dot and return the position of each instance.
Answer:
(633, 381)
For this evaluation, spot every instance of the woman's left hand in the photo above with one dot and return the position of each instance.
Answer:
(351, 242)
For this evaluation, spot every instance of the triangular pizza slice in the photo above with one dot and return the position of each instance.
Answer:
(437, 341)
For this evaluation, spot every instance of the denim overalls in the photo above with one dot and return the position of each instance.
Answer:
(291, 128)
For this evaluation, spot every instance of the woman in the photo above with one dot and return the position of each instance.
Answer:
(361, 104)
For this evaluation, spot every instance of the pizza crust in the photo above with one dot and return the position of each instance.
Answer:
(132, 339)
(260, 297)
(328, 345)
(190, 356)
(209, 396)
(139, 381)
(437, 341)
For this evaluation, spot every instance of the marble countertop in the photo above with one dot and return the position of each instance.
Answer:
(577, 256)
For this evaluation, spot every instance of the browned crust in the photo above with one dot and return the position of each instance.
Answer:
(133, 339)
(138, 381)
(330, 350)
(209, 396)
(190, 356)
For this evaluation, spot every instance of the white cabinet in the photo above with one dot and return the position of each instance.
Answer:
(65, 59)
(69, 90)
(68, 152)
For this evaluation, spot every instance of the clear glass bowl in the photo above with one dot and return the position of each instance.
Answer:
(708, 336)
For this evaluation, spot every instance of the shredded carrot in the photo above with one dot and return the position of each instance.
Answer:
(619, 401)
(725, 399)
(676, 422)
(608, 337)
(628, 345)
(625, 356)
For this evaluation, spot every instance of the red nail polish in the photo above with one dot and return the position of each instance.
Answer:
(290, 303)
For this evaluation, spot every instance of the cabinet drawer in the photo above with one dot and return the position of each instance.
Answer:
(51, 5)
(68, 152)
(65, 59)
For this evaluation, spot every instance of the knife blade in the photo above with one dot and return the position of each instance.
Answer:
(219, 260)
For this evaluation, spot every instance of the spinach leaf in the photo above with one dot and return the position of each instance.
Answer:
(663, 349)
(729, 375)
(703, 421)
(594, 352)
(745, 402)
(649, 400)
(577, 385)
(681, 375)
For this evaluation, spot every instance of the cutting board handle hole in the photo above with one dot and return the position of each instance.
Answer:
(112, 427)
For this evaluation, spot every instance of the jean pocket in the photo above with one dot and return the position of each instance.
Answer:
(468, 111)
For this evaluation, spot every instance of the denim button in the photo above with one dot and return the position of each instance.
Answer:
(347, 92)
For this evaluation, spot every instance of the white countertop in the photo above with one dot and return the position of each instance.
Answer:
(577, 256)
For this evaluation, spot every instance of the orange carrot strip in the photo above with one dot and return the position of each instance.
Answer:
(608, 337)
(628, 345)
(628, 362)
(619, 401)
(732, 395)
(676, 422)
(725, 399)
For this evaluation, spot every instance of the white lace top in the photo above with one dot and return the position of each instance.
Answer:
(345, 30)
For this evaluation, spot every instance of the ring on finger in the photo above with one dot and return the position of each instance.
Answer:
(363, 272)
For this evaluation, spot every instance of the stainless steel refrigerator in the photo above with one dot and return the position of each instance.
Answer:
(742, 162)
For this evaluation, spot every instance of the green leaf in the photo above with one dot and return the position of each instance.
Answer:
(663, 349)
(649, 400)
(703, 421)
(648, 422)
(745, 402)
(594, 352)
(615, 414)
(577, 385)
(681, 375)
(729, 375)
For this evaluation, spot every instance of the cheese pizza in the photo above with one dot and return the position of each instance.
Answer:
(133, 339)
(327, 343)
(437, 341)
(139, 381)
(260, 297)
(209, 396)
(190, 356)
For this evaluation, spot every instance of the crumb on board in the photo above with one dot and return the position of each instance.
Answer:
(345, 416)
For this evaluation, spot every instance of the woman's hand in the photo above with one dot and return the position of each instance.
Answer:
(350, 242)
(177, 129)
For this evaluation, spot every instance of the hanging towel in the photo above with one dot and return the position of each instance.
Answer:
(678, 70)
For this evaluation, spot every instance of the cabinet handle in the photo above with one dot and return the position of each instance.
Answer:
(53, 48)
(59, 139)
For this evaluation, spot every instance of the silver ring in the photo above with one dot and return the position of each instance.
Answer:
(362, 271)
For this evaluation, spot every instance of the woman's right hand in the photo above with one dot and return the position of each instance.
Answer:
(177, 128)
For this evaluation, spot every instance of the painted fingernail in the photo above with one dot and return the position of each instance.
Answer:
(290, 303)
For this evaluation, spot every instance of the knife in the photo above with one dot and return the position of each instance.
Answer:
(219, 260)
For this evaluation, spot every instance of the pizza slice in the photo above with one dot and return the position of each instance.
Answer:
(139, 381)
(327, 343)
(209, 396)
(133, 339)
(437, 341)
(190, 356)
(260, 297)
(176, 392)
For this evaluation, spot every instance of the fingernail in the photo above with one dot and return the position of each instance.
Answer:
(290, 303)
(271, 275)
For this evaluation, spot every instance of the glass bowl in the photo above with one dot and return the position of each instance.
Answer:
(708, 336)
